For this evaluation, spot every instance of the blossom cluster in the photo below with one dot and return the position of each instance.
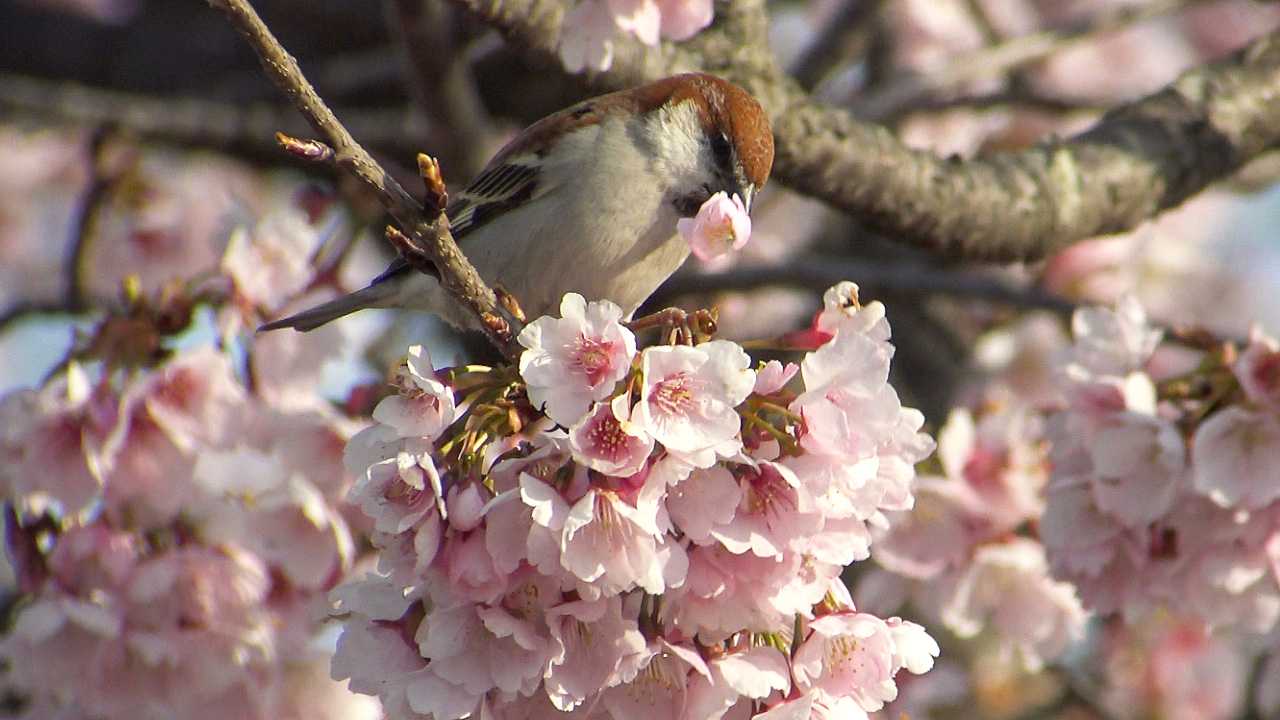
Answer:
(611, 531)
(590, 27)
(175, 541)
(175, 523)
(966, 564)
(1165, 493)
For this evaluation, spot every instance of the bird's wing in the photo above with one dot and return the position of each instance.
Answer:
(503, 186)
(515, 175)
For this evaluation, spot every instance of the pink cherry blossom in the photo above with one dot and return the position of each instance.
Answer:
(1237, 452)
(478, 647)
(426, 408)
(726, 592)
(280, 517)
(287, 367)
(913, 648)
(672, 19)
(1258, 370)
(270, 262)
(655, 683)
(1007, 587)
(814, 704)
(938, 533)
(50, 445)
(841, 307)
(586, 38)
(398, 492)
(775, 513)
(642, 18)
(1113, 342)
(753, 674)
(1002, 457)
(774, 376)
(722, 225)
(592, 639)
(707, 499)
(601, 442)
(847, 400)
(1137, 466)
(688, 397)
(855, 655)
(682, 19)
(173, 223)
(1171, 666)
(576, 358)
(194, 398)
(616, 547)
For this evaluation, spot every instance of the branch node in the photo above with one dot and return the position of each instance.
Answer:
(509, 303)
(310, 150)
(437, 197)
(497, 326)
(417, 258)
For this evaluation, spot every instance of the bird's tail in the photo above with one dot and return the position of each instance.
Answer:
(376, 295)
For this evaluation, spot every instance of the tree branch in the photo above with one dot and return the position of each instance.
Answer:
(430, 234)
(846, 35)
(1139, 160)
(191, 121)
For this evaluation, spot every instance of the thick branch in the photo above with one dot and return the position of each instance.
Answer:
(431, 234)
(1141, 159)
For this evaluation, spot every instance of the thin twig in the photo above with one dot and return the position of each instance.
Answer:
(84, 226)
(431, 235)
(245, 128)
(843, 39)
(19, 311)
(441, 84)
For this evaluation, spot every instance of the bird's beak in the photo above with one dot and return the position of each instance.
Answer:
(748, 191)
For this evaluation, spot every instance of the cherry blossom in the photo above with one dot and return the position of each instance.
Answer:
(1007, 586)
(270, 262)
(586, 41)
(855, 655)
(1258, 370)
(613, 509)
(601, 442)
(1236, 455)
(721, 226)
(51, 444)
(576, 358)
(688, 397)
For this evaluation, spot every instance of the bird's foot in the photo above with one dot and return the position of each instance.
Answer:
(680, 327)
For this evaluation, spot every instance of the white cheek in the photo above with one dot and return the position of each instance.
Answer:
(674, 136)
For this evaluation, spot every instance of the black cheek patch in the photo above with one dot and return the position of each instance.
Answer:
(688, 205)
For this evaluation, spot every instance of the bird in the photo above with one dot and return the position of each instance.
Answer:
(587, 200)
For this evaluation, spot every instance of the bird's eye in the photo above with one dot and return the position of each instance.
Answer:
(720, 148)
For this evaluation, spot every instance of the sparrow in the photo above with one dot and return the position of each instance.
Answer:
(587, 199)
